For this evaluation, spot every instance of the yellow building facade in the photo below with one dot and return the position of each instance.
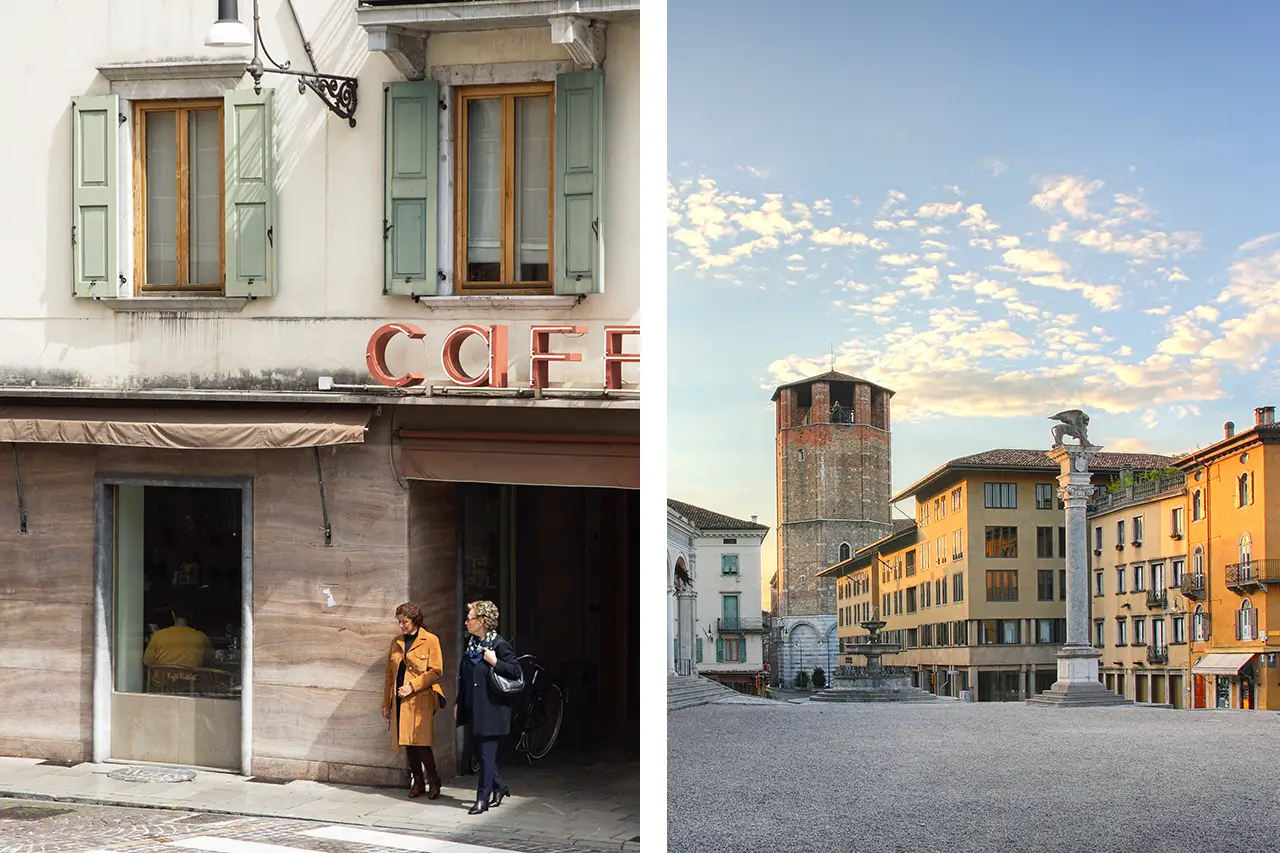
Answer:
(1138, 560)
(974, 587)
(1233, 546)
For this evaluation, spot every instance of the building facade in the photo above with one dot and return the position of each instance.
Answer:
(833, 454)
(728, 624)
(1233, 582)
(287, 352)
(1138, 562)
(974, 586)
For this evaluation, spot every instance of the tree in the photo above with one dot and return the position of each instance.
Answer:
(819, 678)
(802, 680)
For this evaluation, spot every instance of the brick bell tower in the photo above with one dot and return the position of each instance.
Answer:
(833, 498)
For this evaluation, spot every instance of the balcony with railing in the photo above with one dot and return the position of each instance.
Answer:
(1134, 493)
(1158, 597)
(740, 625)
(1250, 575)
(1157, 654)
(1193, 587)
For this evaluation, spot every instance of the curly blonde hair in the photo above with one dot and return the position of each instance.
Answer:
(486, 612)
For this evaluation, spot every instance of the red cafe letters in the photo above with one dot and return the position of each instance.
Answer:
(541, 354)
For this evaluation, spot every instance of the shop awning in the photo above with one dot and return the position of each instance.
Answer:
(1221, 663)
(522, 459)
(239, 428)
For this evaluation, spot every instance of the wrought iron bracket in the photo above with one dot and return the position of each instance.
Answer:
(324, 506)
(17, 479)
(338, 93)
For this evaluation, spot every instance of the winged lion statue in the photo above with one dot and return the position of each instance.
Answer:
(1074, 423)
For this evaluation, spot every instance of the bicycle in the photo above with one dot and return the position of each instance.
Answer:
(537, 713)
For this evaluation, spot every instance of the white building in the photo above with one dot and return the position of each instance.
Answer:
(290, 349)
(727, 621)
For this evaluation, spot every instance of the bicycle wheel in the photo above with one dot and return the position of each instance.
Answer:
(546, 713)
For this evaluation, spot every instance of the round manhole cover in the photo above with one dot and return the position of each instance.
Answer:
(152, 774)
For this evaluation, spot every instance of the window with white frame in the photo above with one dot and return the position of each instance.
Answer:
(1121, 635)
(1138, 528)
(1246, 621)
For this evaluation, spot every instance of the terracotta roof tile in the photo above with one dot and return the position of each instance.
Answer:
(705, 519)
(1038, 460)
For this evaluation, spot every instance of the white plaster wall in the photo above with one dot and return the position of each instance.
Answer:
(712, 586)
(329, 216)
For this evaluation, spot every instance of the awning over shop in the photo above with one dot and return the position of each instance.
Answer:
(240, 428)
(522, 459)
(1221, 663)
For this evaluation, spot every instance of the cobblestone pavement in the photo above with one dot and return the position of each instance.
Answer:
(31, 826)
(969, 777)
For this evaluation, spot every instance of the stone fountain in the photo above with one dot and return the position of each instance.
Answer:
(872, 682)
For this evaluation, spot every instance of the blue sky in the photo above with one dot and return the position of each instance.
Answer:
(998, 210)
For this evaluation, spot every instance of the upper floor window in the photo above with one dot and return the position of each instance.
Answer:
(1197, 561)
(505, 202)
(1197, 505)
(955, 499)
(1002, 542)
(844, 551)
(1244, 495)
(178, 170)
(1000, 495)
(729, 564)
(1176, 521)
(1044, 496)
(1138, 530)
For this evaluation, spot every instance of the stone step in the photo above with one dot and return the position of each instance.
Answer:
(1092, 695)
(684, 691)
(844, 694)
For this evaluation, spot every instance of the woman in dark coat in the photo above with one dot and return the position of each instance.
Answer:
(481, 705)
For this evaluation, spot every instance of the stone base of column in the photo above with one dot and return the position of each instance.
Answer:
(1077, 685)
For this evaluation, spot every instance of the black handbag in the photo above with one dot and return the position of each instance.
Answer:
(504, 685)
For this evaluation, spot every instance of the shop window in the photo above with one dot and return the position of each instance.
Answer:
(178, 591)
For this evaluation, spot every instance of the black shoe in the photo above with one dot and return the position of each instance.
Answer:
(495, 798)
(480, 807)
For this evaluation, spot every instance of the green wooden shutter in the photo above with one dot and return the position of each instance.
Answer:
(411, 144)
(719, 649)
(699, 655)
(95, 188)
(579, 248)
(249, 143)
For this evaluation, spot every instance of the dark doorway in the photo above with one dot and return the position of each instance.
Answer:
(563, 566)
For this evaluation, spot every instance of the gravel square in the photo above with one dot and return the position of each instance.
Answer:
(969, 777)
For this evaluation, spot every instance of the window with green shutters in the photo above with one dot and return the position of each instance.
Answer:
(698, 650)
(203, 192)
(411, 138)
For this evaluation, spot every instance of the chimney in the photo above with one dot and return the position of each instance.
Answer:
(753, 518)
(1269, 415)
(1228, 429)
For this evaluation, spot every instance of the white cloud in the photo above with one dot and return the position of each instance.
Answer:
(1068, 192)
(938, 210)
(899, 260)
(836, 236)
(922, 280)
(1009, 241)
(1160, 311)
(1257, 242)
(884, 224)
(1103, 297)
(1034, 260)
(995, 167)
(977, 219)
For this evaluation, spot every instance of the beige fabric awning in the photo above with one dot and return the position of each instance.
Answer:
(522, 459)
(1221, 663)
(240, 428)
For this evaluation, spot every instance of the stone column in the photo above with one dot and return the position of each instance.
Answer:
(1077, 682)
(671, 626)
(684, 616)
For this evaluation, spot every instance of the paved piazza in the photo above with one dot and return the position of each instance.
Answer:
(959, 777)
(40, 826)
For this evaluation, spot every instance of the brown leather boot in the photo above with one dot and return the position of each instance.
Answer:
(415, 790)
(433, 787)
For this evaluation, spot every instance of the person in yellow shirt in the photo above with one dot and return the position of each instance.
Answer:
(178, 645)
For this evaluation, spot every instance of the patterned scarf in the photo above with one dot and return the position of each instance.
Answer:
(477, 645)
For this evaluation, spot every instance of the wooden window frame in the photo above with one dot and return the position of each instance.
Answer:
(182, 107)
(506, 283)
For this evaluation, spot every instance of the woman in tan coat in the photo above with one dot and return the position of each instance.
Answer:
(411, 688)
